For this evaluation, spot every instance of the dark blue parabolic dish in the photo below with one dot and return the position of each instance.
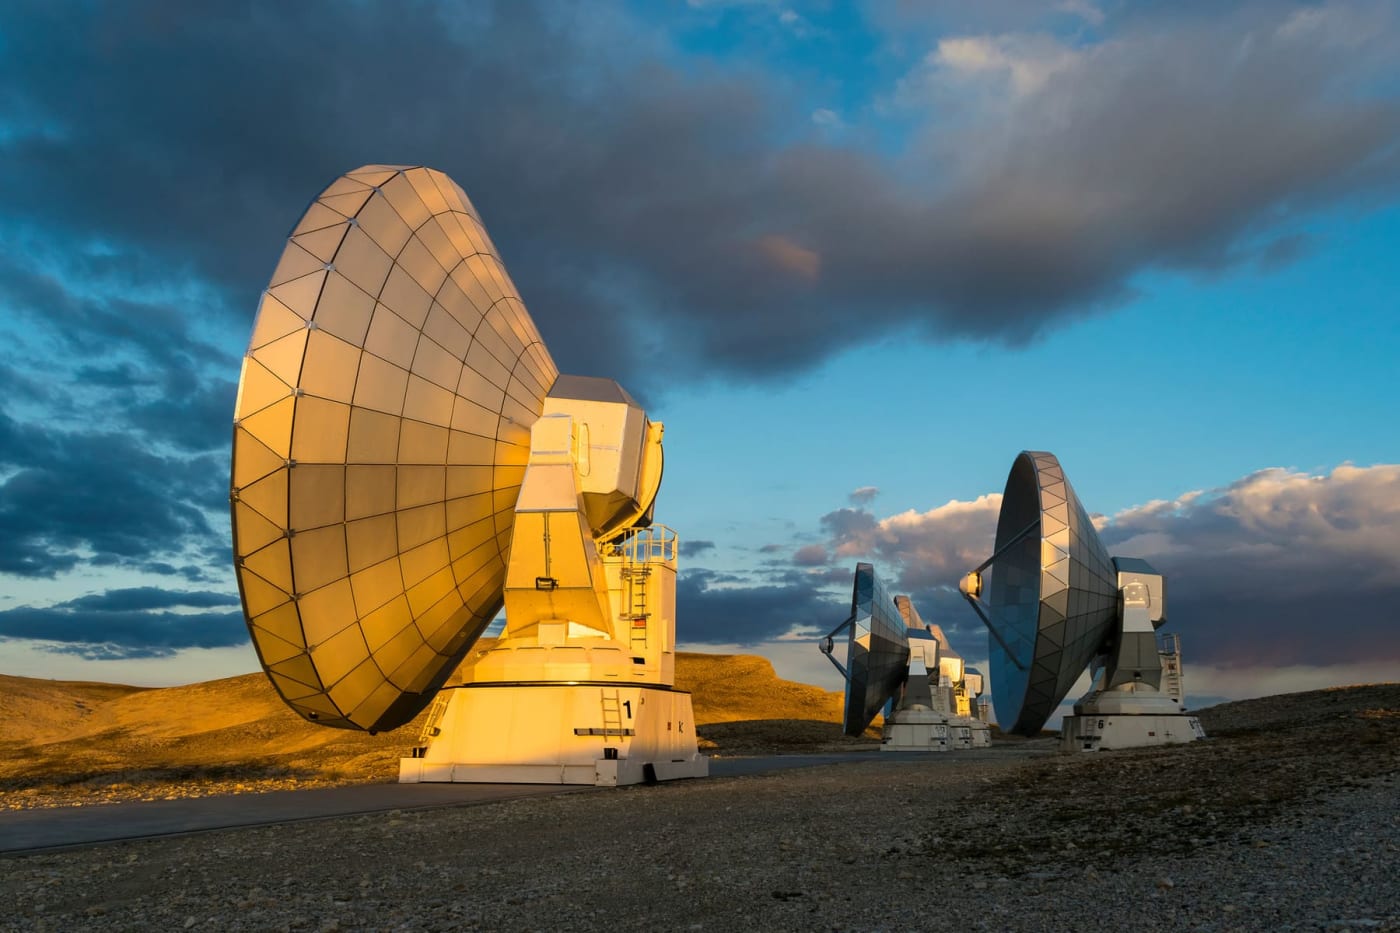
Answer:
(1053, 594)
(877, 658)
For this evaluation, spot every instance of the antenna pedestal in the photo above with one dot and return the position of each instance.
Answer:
(917, 729)
(1131, 712)
(580, 688)
(601, 734)
(969, 732)
(1094, 732)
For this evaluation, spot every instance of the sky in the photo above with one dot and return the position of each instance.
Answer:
(855, 256)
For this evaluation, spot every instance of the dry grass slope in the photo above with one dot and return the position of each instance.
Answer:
(63, 741)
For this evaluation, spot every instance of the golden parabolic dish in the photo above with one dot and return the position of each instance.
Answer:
(380, 435)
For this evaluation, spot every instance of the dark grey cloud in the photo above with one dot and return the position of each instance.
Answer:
(114, 359)
(843, 524)
(710, 613)
(695, 547)
(148, 597)
(104, 498)
(130, 623)
(656, 188)
(1279, 567)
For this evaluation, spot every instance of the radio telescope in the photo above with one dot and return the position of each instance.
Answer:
(894, 664)
(1054, 603)
(406, 461)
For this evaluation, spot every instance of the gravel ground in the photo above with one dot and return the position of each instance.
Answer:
(1282, 823)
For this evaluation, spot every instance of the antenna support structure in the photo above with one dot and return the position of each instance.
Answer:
(580, 688)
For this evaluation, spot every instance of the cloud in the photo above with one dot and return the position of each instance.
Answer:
(932, 548)
(696, 547)
(811, 555)
(135, 622)
(102, 497)
(714, 614)
(1082, 9)
(1280, 567)
(1170, 142)
(1024, 63)
(863, 495)
(148, 597)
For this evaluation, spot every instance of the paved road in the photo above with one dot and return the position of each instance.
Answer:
(30, 831)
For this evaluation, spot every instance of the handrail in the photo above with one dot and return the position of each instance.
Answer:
(654, 544)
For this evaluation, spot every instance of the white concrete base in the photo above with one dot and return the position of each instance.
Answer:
(916, 730)
(965, 732)
(1091, 733)
(560, 734)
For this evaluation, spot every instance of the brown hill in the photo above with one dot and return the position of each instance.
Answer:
(734, 687)
(65, 740)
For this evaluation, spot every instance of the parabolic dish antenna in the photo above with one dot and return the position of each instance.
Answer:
(1054, 601)
(877, 650)
(1053, 594)
(893, 665)
(380, 436)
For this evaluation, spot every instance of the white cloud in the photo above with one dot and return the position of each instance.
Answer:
(1278, 569)
(23, 658)
(1083, 9)
(864, 495)
(1016, 65)
(928, 548)
(797, 24)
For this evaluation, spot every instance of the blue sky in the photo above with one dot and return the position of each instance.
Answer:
(835, 247)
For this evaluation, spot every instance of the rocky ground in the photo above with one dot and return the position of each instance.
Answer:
(1286, 819)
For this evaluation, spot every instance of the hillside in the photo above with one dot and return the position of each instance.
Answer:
(62, 739)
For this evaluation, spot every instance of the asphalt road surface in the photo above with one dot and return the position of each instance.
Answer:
(49, 829)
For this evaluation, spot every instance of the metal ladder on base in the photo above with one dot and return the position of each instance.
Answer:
(432, 723)
(1169, 649)
(636, 575)
(612, 712)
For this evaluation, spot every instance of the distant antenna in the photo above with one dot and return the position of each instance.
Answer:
(893, 664)
(1053, 601)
